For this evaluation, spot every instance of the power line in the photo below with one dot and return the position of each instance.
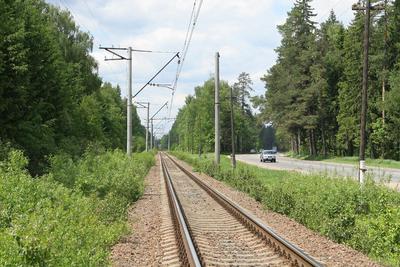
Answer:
(190, 23)
(188, 41)
(189, 35)
(155, 75)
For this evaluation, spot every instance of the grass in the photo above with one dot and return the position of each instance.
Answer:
(367, 218)
(381, 163)
(72, 215)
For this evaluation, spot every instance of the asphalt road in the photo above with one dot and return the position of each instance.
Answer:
(332, 169)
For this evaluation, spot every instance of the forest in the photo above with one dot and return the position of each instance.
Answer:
(51, 97)
(313, 92)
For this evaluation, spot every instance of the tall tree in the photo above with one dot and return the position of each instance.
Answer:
(243, 124)
(329, 72)
(290, 91)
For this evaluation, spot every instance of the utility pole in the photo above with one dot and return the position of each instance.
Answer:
(384, 66)
(147, 128)
(233, 157)
(217, 124)
(169, 140)
(113, 50)
(364, 92)
(129, 106)
(151, 136)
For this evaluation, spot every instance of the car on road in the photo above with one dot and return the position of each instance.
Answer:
(268, 155)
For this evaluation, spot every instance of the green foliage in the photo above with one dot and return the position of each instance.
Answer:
(295, 83)
(71, 216)
(366, 218)
(51, 97)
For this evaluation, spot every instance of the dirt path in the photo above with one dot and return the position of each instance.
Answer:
(141, 247)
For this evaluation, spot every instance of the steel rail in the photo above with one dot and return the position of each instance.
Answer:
(285, 248)
(188, 253)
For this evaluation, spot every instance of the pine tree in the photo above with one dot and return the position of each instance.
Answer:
(349, 88)
(290, 95)
(330, 45)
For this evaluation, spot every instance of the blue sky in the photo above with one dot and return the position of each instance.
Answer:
(243, 31)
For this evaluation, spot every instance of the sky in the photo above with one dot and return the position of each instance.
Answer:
(244, 32)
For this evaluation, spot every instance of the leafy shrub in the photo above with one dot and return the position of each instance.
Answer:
(367, 218)
(54, 221)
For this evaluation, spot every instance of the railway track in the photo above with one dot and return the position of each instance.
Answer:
(212, 230)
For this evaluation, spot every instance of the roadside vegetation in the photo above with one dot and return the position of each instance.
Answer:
(72, 215)
(367, 219)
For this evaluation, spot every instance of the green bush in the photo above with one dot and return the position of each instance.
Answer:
(71, 216)
(367, 218)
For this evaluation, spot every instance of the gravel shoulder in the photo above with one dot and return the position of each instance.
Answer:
(321, 248)
(142, 246)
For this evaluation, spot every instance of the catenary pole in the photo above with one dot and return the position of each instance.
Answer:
(364, 94)
(147, 128)
(217, 106)
(129, 106)
(145, 105)
(233, 156)
(115, 52)
(151, 135)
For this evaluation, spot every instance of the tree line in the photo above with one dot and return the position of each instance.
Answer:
(51, 97)
(313, 92)
(193, 129)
